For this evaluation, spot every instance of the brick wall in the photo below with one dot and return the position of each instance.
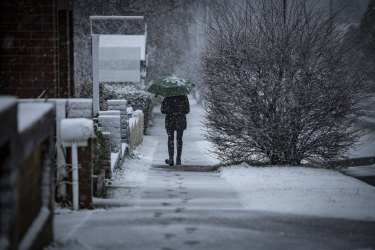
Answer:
(85, 175)
(36, 55)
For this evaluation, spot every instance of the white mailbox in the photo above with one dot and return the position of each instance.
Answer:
(74, 133)
(76, 129)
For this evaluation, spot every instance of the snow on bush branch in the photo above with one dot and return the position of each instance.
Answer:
(282, 84)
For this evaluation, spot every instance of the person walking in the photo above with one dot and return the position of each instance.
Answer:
(175, 109)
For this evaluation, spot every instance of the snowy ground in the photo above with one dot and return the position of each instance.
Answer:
(154, 206)
(134, 170)
(304, 191)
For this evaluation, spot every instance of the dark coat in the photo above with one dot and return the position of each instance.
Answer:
(175, 108)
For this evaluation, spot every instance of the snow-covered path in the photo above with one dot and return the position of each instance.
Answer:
(154, 206)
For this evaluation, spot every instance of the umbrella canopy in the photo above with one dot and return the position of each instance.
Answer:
(171, 86)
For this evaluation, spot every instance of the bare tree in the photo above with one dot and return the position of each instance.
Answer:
(281, 84)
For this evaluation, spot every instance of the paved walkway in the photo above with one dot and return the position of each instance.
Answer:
(182, 208)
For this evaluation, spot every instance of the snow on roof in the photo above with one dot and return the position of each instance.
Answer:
(130, 41)
(6, 101)
(29, 113)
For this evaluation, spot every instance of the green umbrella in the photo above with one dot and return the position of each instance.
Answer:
(171, 86)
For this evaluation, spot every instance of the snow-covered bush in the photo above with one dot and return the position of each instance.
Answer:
(135, 96)
(281, 84)
(83, 87)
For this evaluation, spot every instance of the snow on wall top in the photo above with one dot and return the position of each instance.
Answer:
(110, 113)
(129, 41)
(6, 101)
(80, 103)
(129, 110)
(29, 113)
(117, 102)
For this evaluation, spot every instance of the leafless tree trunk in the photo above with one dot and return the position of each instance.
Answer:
(281, 85)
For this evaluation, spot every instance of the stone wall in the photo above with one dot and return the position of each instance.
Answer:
(121, 106)
(107, 161)
(110, 121)
(27, 167)
(79, 108)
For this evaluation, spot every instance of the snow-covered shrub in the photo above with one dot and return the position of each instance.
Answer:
(281, 84)
(135, 96)
(83, 87)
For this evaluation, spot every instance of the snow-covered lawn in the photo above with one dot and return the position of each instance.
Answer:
(299, 190)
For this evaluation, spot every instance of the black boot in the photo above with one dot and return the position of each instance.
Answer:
(169, 162)
(178, 161)
(179, 151)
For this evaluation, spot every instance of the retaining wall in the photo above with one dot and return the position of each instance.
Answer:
(27, 180)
